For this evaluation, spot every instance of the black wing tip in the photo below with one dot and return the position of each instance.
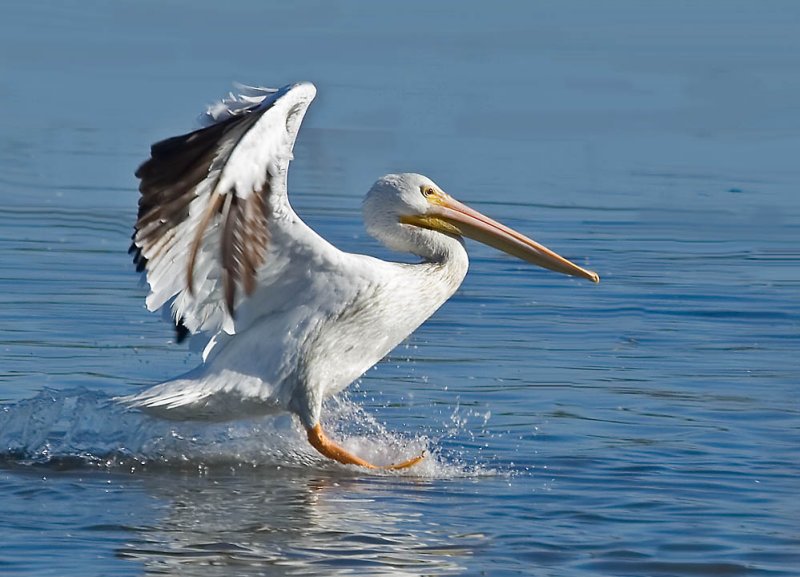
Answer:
(140, 169)
(138, 258)
(181, 332)
(230, 293)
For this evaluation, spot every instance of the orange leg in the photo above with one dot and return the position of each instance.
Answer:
(324, 445)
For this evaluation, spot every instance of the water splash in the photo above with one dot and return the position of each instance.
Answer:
(80, 427)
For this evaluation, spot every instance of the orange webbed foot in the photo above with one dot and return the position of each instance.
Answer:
(329, 449)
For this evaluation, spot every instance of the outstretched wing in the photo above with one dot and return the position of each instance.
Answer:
(207, 200)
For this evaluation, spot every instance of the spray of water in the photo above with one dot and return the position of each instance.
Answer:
(80, 427)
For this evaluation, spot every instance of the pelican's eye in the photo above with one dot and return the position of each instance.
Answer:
(427, 191)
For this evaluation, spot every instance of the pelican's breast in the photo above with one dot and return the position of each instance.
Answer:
(386, 310)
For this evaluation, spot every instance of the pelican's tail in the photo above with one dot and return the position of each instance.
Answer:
(202, 397)
(179, 400)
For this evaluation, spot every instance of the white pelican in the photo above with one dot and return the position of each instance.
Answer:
(290, 318)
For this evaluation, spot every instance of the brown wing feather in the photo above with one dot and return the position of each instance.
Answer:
(169, 181)
(254, 237)
(244, 242)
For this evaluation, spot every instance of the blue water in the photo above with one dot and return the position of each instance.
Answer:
(648, 425)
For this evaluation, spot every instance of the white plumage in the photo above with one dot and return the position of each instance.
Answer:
(291, 318)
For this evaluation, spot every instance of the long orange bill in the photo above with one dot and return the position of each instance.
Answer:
(473, 224)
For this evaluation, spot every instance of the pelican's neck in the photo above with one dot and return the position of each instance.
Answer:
(441, 248)
(444, 257)
(445, 260)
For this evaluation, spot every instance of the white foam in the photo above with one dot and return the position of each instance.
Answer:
(88, 428)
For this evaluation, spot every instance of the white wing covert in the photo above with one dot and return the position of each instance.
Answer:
(207, 200)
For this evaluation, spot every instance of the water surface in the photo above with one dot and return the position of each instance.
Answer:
(648, 425)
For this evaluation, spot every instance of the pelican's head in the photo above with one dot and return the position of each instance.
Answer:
(409, 212)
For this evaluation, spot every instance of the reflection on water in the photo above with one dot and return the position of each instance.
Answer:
(285, 522)
(268, 520)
